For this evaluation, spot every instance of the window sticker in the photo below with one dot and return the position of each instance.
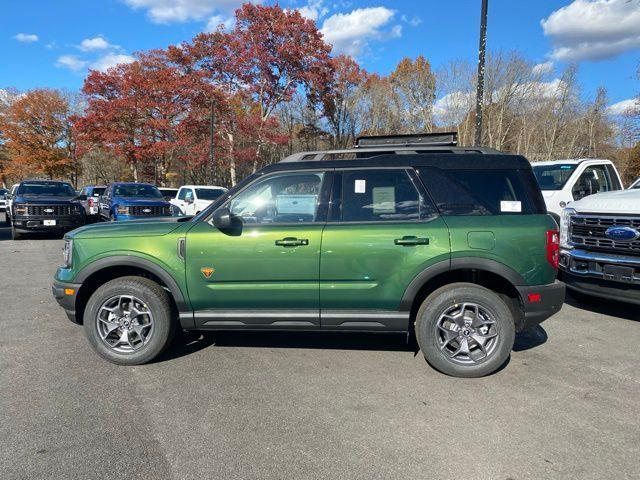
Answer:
(384, 200)
(360, 186)
(510, 206)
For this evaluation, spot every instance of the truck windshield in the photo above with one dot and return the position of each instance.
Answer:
(137, 190)
(553, 177)
(209, 193)
(52, 189)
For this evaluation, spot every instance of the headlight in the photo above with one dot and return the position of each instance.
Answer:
(20, 209)
(565, 223)
(122, 210)
(67, 252)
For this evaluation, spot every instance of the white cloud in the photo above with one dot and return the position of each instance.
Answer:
(110, 60)
(413, 21)
(542, 68)
(95, 43)
(26, 37)
(625, 107)
(593, 29)
(72, 62)
(314, 10)
(168, 11)
(214, 22)
(351, 32)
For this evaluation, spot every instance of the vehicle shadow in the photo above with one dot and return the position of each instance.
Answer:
(612, 308)
(192, 342)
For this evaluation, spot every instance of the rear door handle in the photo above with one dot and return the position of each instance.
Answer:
(292, 242)
(408, 241)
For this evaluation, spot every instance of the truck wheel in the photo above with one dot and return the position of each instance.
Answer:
(15, 235)
(465, 330)
(129, 321)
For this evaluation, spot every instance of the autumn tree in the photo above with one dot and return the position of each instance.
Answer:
(414, 84)
(37, 134)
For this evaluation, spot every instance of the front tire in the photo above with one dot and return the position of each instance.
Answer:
(465, 330)
(129, 320)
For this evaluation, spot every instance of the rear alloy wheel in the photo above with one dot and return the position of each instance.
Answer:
(465, 330)
(129, 320)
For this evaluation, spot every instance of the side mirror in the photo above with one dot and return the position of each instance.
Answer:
(222, 219)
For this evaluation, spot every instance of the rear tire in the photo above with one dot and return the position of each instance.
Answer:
(465, 330)
(129, 320)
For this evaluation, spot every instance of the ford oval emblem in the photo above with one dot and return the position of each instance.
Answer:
(622, 234)
(147, 210)
(48, 210)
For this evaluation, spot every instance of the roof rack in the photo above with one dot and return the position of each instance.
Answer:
(449, 139)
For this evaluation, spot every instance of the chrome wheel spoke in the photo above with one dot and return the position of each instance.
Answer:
(125, 323)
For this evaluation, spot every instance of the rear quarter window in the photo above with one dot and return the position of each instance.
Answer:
(483, 192)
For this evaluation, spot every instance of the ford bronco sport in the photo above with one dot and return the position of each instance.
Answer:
(399, 234)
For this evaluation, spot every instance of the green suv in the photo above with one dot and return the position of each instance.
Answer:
(395, 235)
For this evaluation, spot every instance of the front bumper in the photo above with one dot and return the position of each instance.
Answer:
(540, 302)
(65, 294)
(37, 224)
(590, 273)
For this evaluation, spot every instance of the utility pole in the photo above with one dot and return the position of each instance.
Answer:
(212, 143)
(480, 87)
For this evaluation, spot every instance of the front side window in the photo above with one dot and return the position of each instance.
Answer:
(381, 195)
(188, 196)
(282, 198)
(593, 180)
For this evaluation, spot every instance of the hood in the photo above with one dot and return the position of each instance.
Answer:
(44, 200)
(141, 201)
(137, 228)
(549, 193)
(617, 202)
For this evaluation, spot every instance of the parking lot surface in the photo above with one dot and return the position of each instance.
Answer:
(316, 406)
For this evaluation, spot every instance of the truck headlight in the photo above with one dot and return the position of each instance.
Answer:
(122, 210)
(565, 224)
(67, 252)
(20, 209)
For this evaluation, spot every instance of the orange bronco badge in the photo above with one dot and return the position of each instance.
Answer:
(207, 271)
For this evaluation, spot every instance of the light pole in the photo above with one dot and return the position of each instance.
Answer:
(480, 87)
(212, 143)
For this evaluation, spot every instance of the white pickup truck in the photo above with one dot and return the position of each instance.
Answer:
(192, 199)
(600, 245)
(564, 181)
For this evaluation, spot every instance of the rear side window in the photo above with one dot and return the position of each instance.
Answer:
(483, 192)
(381, 195)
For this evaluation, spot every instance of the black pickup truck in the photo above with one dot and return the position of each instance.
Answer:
(45, 206)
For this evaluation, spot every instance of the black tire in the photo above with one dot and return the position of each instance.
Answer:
(437, 350)
(16, 235)
(155, 299)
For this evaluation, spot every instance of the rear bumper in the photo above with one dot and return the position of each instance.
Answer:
(551, 298)
(36, 224)
(65, 294)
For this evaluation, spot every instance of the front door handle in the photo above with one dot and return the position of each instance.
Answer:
(292, 242)
(408, 241)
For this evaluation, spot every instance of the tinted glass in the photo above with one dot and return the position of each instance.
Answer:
(284, 198)
(137, 190)
(553, 177)
(381, 195)
(54, 189)
(208, 193)
(483, 192)
(182, 193)
(593, 180)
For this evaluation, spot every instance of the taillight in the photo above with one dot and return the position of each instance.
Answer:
(91, 202)
(553, 248)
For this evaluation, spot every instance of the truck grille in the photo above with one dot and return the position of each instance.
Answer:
(51, 210)
(149, 211)
(588, 232)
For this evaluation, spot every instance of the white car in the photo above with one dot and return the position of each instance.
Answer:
(635, 184)
(9, 201)
(600, 246)
(192, 199)
(565, 181)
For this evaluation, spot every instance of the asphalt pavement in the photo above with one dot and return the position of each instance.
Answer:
(308, 406)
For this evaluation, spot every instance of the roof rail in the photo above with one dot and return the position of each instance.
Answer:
(449, 139)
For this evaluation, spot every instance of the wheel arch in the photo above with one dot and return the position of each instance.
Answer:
(490, 274)
(109, 268)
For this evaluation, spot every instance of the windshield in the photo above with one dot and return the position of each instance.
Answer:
(553, 177)
(208, 193)
(97, 191)
(51, 189)
(137, 190)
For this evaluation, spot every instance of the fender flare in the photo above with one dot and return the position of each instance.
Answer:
(131, 261)
(465, 263)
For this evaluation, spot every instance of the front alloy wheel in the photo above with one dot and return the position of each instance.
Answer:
(125, 323)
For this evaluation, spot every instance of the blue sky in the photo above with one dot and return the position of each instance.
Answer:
(52, 43)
